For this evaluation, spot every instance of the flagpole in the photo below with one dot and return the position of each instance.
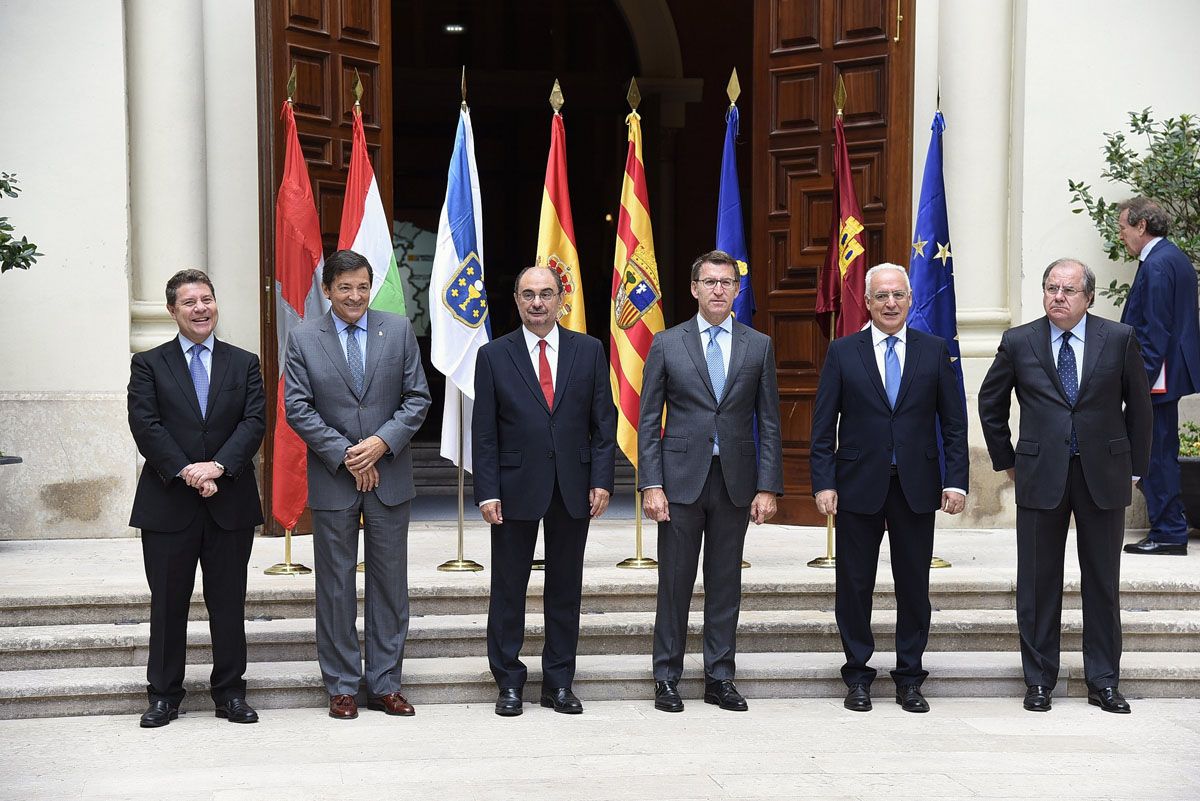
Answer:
(460, 565)
(936, 561)
(637, 561)
(287, 567)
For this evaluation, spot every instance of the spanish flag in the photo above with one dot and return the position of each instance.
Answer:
(636, 314)
(556, 230)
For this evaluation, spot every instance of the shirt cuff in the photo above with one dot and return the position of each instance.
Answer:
(962, 492)
(482, 504)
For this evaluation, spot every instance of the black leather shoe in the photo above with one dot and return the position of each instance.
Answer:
(508, 703)
(237, 711)
(1109, 699)
(1037, 698)
(160, 713)
(1149, 546)
(858, 698)
(666, 697)
(724, 694)
(910, 699)
(562, 699)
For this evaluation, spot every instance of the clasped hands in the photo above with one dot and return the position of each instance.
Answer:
(202, 476)
(360, 461)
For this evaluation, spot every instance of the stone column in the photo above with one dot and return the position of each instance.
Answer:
(168, 189)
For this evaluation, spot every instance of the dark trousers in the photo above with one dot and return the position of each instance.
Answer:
(171, 559)
(512, 555)
(910, 536)
(1041, 545)
(1160, 485)
(714, 521)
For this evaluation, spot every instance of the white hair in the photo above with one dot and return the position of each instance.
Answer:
(880, 268)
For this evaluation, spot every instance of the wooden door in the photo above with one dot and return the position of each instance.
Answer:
(801, 47)
(327, 41)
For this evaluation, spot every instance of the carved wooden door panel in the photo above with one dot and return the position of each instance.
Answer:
(328, 42)
(801, 47)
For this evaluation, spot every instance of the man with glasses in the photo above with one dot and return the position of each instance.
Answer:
(1084, 439)
(885, 394)
(704, 477)
(543, 441)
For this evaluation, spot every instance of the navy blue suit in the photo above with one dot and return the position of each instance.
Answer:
(1162, 309)
(541, 464)
(852, 412)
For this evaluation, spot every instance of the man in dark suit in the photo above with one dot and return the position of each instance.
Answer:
(704, 477)
(542, 444)
(197, 413)
(355, 392)
(1085, 434)
(884, 394)
(1162, 310)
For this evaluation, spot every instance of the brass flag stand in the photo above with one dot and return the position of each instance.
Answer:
(637, 561)
(460, 565)
(287, 567)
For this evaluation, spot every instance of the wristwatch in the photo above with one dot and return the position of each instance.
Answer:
(220, 467)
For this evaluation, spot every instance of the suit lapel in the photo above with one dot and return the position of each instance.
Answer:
(524, 366)
(333, 349)
(736, 356)
(913, 348)
(220, 366)
(691, 343)
(866, 352)
(177, 364)
(1039, 342)
(375, 338)
(566, 358)
(1093, 344)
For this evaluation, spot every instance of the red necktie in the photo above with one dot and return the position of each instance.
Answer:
(544, 374)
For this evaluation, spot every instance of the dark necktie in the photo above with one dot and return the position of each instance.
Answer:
(1068, 374)
(354, 359)
(199, 377)
(544, 377)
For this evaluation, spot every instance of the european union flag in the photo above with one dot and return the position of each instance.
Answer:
(730, 236)
(931, 267)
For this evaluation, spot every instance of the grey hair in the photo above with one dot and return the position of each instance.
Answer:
(1142, 208)
(1089, 277)
(887, 265)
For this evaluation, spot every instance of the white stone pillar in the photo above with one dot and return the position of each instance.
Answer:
(168, 190)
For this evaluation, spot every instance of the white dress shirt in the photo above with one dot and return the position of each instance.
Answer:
(531, 344)
(205, 355)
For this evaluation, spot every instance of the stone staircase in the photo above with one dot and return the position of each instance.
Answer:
(67, 652)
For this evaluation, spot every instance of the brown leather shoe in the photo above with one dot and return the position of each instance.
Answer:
(393, 704)
(343, 707)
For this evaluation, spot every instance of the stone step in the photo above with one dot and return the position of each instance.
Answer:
(276, 685)
(293, 639)
(766, 589)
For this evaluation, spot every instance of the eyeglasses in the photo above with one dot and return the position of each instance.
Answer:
(546, 295)
(900, 295)
(1054, 289)
(711, 283)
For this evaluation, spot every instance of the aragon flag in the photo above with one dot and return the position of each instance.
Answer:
(841, 289)
(556, 230)
(298, 264)
(365, 227)
(636, 313)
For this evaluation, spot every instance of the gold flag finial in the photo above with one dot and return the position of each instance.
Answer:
(463, 87)
(734, 88)
(291, 85)
(358, 90)
(839, 96)
(556, 97)
(633, 96)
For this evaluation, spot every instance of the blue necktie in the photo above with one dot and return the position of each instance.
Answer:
(1068, 374)
(199, 377)
(354, 359)
(891, 371)
(716, 367)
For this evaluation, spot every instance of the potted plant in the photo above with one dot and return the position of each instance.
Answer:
(1189, 470)
(14, 254)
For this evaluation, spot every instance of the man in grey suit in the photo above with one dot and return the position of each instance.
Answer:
(1085, 438)
(705, 476)
(355, 392)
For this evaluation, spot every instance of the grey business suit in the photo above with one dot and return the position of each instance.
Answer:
(707, 496)
(329, 416)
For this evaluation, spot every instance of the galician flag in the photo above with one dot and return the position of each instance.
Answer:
(636, 313)
(556, 230)
(458, 307)
(365, 227)
(298, 295)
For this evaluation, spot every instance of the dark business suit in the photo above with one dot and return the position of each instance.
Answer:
(181, 528)
(1112, 419)
(852, 413)
(1162, 309)
(329, 415)
(541, 464)
(709, 497)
